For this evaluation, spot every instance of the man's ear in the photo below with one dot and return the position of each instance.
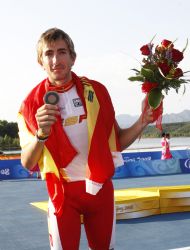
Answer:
(41, 64)
(74, 59)
(73, 62)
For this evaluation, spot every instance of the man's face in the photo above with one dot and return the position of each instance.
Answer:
(57, 61)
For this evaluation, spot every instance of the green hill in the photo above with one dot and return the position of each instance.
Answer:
(180, 129)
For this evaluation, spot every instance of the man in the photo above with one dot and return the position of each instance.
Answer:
(76, 144)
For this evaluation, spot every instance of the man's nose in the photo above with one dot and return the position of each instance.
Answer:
(55, 58)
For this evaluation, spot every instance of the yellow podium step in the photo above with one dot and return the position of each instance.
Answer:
(143, 202)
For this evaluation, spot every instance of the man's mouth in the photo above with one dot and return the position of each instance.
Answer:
(54, 69)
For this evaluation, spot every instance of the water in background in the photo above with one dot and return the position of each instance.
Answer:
(147, 143)
(156, 143)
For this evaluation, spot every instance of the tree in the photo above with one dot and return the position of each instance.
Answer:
(8, 128)
(9, 135)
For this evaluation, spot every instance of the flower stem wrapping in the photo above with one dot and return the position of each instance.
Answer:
(157, 112)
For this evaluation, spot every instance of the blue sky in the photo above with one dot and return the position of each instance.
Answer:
(107, 35)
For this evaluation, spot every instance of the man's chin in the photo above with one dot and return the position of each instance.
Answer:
(61, 79)
(58, 77)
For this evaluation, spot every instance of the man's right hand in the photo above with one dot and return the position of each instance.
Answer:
(46, 116)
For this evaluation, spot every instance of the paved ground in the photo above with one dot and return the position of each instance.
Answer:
(24, 227)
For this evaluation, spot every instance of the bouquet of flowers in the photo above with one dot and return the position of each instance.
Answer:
(159, 73)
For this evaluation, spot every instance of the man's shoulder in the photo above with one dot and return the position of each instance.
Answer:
(94, 83)
(38, 86)
(36, 91)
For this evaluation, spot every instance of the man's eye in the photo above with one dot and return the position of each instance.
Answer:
(49, 54)
(63, 52)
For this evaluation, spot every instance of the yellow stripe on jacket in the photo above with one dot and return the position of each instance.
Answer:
(92, 107)
(112, 140)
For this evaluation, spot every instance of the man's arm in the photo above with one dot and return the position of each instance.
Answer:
(31, 152)
(129, 135)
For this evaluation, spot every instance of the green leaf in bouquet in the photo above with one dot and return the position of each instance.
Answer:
(136, 78)
(185, 46)
(136, 70)
(148, 74)
(155, 98)
(184, 89)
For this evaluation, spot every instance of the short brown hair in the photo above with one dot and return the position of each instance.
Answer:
(51, 35)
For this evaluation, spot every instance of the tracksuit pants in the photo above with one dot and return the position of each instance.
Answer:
(98, 218)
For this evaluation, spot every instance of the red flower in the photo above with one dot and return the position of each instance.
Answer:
(166, 43)
(177, 55)
(165, 68)
(145, 50)
(178, 73)
(147, 86)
